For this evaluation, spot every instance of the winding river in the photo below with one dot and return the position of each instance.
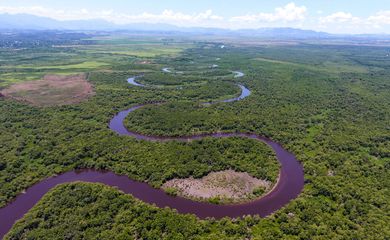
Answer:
(133, 82)
(238, 74)
(166, 70)
(288, 187)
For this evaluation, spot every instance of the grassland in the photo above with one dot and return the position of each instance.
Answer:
(24, 64)
(136, 50)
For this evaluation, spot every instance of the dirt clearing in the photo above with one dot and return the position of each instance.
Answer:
(52, 90)
(219, 187)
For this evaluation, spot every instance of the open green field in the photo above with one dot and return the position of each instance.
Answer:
(32, 64)
(137, 50)
(328, 104)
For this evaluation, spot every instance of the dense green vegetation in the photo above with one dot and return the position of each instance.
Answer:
(37, 142)
(196, 88)
(329, 104)
(94, 211)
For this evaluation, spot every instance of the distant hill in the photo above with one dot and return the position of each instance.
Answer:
(25, 21)
(32, 22)
(284, 33)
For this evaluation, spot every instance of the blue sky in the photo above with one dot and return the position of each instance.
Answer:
(339, 16)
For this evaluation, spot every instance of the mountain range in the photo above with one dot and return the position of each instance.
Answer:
(33, 22)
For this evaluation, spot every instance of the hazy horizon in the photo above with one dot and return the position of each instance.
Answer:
(361, 17)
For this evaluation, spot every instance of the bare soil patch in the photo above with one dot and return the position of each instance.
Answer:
(219, 187)
(52, 90)
(145, 62)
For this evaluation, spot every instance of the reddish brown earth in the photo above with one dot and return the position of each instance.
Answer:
(52, 90)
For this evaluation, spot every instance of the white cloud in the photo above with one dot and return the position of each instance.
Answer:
(288, 13)
(167, 16)
(339, 17)
(55, 14)
(381, 17)
(344, 22)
